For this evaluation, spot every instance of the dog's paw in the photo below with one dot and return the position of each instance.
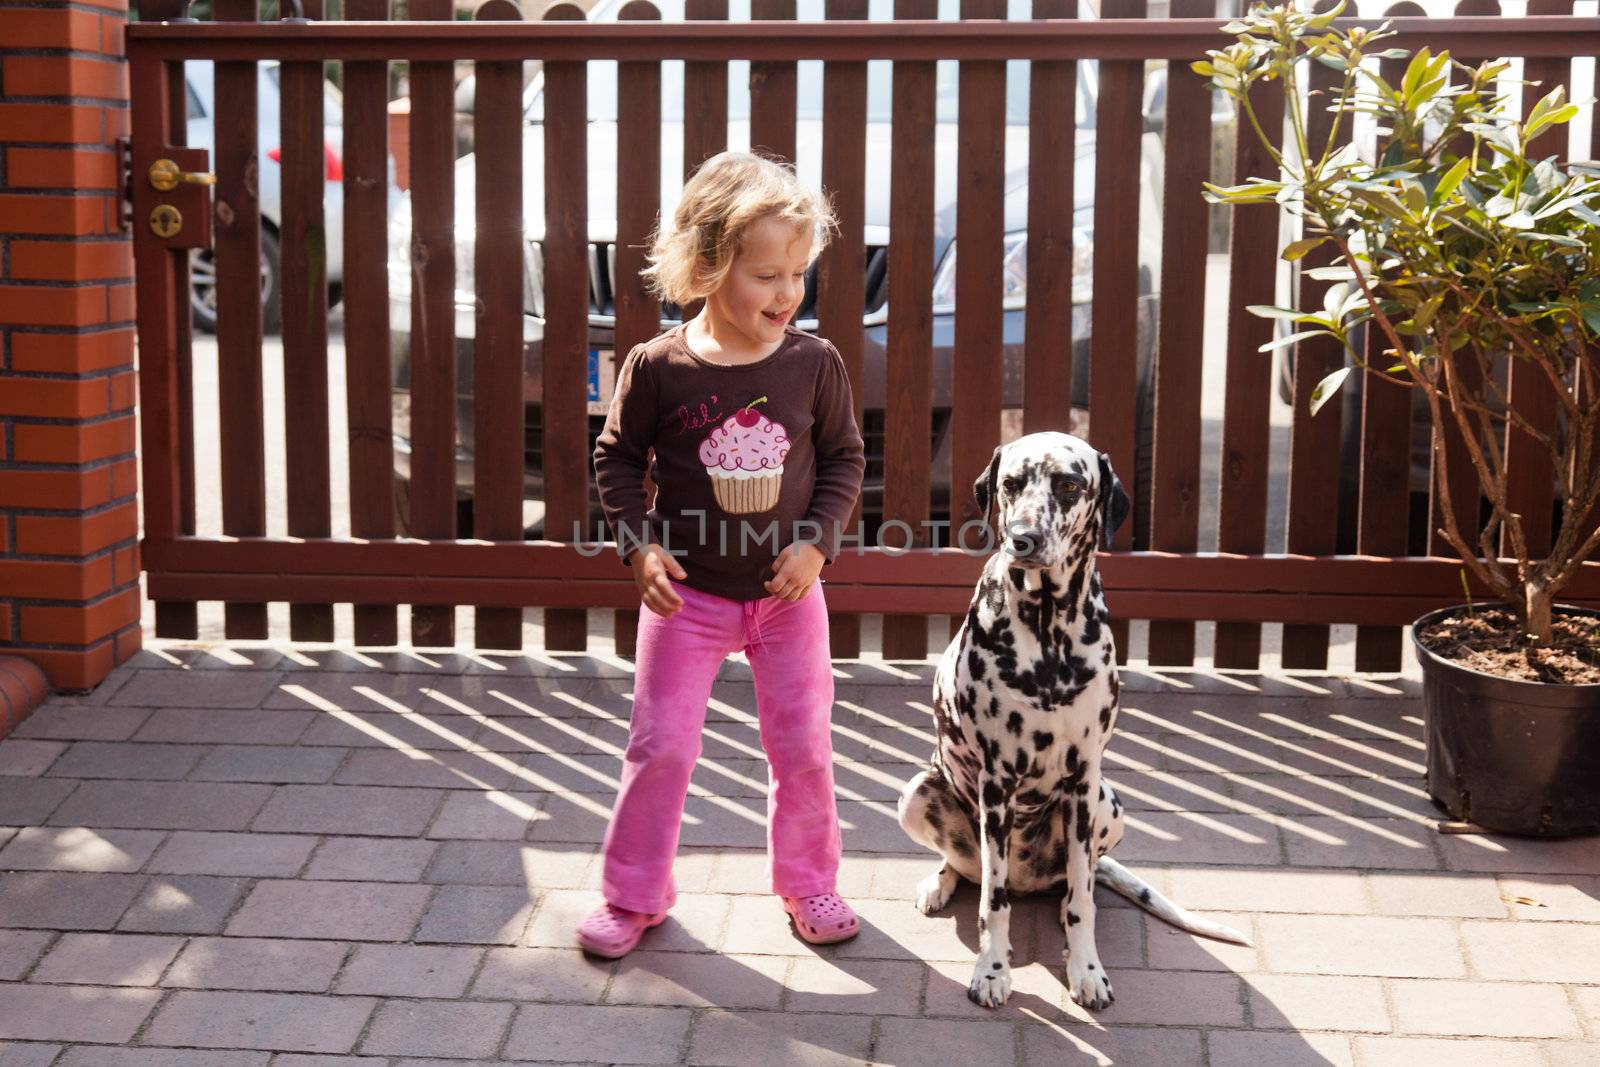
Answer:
(1088, 984)
(991, 983)
(934, 891)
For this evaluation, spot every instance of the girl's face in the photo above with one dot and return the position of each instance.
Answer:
(764, 286)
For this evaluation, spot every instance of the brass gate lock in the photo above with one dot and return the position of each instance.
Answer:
(166, 221)
(165, 176)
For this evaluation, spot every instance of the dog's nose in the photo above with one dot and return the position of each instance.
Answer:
(1026, 542)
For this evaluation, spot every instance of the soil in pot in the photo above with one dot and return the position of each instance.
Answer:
(1489, 640)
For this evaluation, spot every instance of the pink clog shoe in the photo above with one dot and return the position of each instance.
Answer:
(612, 932)
(822, 919)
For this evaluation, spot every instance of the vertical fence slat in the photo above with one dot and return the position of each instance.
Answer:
(772, 92)
(908, 380)
(433, 337)
(162, 304)
(980, 237)
(1052, 151)
(1175, 462)
(705, 95)
(237, 245)
(1452, 471)
(1252, 262)
(841, 271)
(638, 208)
(566, 332)
(1115, 307)
(1313, 509)
(165, 326)
(497, 346)
(366, 314)
(303, 245)
(1530, 469)
(1383, 517)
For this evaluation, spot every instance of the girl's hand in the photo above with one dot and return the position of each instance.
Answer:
(798, 566)
(651, 566)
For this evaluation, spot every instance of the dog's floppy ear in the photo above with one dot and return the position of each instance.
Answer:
(1113, 501)
(983, 488)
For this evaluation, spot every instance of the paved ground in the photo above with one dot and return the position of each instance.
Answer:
(314, 859)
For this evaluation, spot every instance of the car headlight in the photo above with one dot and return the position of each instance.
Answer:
(1014, 271)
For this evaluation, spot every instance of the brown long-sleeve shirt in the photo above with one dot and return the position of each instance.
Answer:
(749, 459)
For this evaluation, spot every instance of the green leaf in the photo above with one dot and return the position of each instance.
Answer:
(1294, 338)
(1297, 249)
(1267, 311)
(1451, 179)
(1327, 389)
(1591, 317)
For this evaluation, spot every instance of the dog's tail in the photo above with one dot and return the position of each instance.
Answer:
(1116, 877)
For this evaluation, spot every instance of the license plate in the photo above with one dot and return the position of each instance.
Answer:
(602, 379)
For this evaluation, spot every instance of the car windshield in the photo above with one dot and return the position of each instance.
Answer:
(603, 106)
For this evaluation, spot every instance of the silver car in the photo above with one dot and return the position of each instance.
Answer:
(199, 75)
(602, 161)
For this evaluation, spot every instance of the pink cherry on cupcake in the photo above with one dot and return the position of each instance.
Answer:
(747, 415)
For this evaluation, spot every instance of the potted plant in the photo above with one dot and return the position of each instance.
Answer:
(1462, 253)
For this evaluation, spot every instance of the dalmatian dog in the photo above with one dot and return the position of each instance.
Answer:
(1024, 701)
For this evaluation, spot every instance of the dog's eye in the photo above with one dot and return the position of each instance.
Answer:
(1012, 485)
(1067, 486)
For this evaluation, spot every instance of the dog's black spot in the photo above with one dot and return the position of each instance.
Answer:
(1043, 739)
(1072, 918)
(999, 899)
(1144, 895)
(1014, 724)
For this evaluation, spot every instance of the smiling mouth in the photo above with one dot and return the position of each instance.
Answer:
(776, 317)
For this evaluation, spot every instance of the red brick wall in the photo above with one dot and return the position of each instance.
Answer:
(69, 565)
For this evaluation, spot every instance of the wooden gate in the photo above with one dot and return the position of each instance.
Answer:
(1162, 577)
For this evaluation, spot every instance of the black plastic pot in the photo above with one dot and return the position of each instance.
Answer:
(1512, 756)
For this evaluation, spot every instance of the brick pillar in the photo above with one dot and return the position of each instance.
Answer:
(69, 562)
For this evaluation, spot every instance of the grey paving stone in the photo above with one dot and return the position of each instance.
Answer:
(600, 1034)
(126, 760)
(66, 900)
(558, 975)
(243, 855)
(217, 725)
(476, 815)
(257, 963)
(18, 951)
(290, 1022)
(345, 911)
(409, 970)
(162, 805)
(67, 722)
(276, 764)
(509, 863)
(73, 1013)
(29, 801)
(367, 859)
(107, 959)
(471, 771)
(184, 904)
(22, 758)
(160, 1057)
(78, 848)
(196, 689)
(388, 729)
(17, 1054)
(481, 915)
(348, 809)
(727, 1039)
(437, 1029)
(365, 690)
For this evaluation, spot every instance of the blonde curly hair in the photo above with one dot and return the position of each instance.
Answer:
(730, 192)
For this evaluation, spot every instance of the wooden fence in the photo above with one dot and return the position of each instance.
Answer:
(1164, 578)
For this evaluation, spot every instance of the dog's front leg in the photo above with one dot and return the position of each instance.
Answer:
(1087, 981)
(991, 978)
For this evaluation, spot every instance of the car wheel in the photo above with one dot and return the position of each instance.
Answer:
(203, 286)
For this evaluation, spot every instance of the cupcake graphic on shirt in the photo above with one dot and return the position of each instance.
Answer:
(744, 460)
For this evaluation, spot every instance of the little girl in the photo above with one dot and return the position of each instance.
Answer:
(757, 466)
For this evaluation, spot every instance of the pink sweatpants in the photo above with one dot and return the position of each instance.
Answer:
(676, 663)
